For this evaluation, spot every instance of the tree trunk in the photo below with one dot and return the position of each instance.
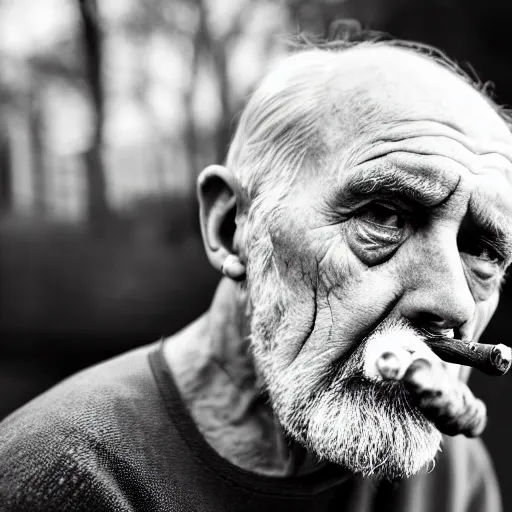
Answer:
(6, 199)
(224, 129)
(98, 208)
(190, 133)
(37, 147)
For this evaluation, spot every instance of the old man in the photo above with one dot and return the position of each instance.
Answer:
(365, 206)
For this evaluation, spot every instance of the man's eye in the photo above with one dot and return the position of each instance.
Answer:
(481, 250)
(378, 230)
(489, 255)
(383, 215)
(485, 262)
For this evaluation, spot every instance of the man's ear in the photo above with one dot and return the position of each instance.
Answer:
(216, 192)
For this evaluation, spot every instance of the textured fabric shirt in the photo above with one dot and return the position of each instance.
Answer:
(117, 437)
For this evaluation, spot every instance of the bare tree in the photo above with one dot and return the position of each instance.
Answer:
(35, 115)
(216, 48)
(6, 198)
(92, 39)
(190, 133)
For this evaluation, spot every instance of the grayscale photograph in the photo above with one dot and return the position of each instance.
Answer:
(254, 256)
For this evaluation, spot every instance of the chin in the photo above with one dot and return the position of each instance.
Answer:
(369, 427)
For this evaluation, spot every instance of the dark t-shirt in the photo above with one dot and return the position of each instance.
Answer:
(117, 437)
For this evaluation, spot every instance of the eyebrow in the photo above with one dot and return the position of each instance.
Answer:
(388, 179)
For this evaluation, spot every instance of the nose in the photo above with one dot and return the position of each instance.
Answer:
(437, 294)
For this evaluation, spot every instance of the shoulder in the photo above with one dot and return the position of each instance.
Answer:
(464, 470)
(469, 457)
(479, 475)
(95, 393)
(62, 442)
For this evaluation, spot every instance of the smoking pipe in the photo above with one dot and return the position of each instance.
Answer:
(490, 359)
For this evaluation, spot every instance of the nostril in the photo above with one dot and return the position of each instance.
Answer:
(439, 326)
(431, 319)
(435, 324)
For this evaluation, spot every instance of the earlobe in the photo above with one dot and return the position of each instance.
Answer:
(216, 188)
(233, 268)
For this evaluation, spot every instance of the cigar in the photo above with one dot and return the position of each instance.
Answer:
(491, 359)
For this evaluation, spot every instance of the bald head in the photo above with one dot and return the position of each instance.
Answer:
(320, 101)
(380, 84)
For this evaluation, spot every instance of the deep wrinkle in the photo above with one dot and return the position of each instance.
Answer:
(313, 322)
(476, 151)
(450, 194)
(474, 163)
(407, 120)
(328, 379)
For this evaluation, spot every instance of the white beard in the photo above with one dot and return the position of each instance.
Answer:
(369, 427)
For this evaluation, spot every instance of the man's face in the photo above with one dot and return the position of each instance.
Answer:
(407, 226)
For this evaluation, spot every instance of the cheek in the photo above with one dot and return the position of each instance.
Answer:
(283, 291)
(287, 307)
(362, 301)
(334, 301)
(319, 298)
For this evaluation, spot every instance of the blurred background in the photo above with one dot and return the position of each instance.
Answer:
(108, 111)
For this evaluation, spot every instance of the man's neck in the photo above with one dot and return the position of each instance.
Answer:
(213, 367)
